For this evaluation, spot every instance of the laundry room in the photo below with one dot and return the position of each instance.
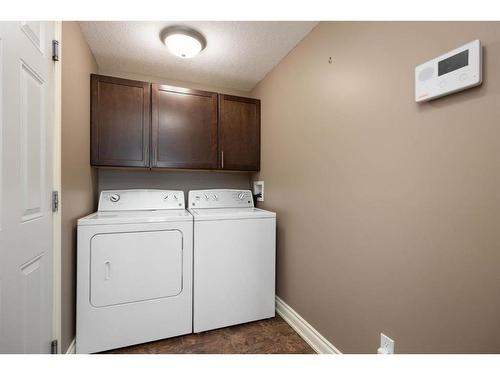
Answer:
(397, 180)
(281, 185)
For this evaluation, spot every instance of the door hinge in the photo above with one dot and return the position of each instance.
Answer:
(55, 50)
(55, 201)
(53, 347)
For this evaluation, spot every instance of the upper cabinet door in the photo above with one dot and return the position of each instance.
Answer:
(239, 133)
(184, 126)
(120, 122)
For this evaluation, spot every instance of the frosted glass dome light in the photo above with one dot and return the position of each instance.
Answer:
(183, 42)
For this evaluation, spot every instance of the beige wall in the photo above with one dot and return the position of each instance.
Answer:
(78, 178)
(388, 211)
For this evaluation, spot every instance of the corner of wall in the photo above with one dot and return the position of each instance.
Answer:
(78, 178)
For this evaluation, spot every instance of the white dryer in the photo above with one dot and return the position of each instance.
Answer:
(234, 259)
(134, 270)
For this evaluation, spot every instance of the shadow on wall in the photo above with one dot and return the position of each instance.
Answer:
(111, 179)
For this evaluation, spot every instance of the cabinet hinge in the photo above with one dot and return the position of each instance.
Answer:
(55, 50)
(53, 347)
(55, 201)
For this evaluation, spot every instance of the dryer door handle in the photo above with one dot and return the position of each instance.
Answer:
(107, 270)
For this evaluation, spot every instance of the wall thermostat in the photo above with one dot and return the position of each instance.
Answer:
(454, 71)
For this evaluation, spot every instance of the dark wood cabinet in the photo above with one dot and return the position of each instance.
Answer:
(120, 122)
(184, 128)
(239, 133)
(144, 125)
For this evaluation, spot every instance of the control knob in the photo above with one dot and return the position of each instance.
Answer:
(114, 197)
(241, 196)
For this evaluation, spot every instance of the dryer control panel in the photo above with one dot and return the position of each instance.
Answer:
(220, 198)
(141, 199)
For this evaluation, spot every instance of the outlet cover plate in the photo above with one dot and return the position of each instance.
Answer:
(258, 188)
(386, 344)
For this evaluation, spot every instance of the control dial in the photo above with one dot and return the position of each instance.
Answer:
(114, 197)
(215, 197)
(241, 196)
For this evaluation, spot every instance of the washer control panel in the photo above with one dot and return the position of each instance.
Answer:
(220, 198)
(141, 199)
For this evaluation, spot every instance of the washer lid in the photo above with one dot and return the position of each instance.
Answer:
(135, 217)
(230, 213)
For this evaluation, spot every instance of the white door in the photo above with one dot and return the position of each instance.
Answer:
(135, 266)
(26, 136)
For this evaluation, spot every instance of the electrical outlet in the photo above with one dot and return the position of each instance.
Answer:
(386, 345)
(258, 189)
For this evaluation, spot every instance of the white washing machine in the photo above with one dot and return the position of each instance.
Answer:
(134, 271)
(234, 259)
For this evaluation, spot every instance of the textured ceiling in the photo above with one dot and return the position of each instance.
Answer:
(238, 54)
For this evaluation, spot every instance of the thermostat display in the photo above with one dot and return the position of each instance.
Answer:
(453, 63)
(454, 71)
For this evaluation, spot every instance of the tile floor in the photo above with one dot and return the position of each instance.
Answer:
(269, 336)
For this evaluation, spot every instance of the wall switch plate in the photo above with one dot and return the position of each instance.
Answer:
(386, 345)
(258, 188)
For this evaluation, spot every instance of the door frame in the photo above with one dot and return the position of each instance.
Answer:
(56, 183)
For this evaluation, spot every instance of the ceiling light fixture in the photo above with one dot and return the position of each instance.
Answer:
(183, 41)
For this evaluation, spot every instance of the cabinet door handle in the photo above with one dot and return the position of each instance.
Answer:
(222, 156)
(107, 270)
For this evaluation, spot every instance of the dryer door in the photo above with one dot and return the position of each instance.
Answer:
(135, 266)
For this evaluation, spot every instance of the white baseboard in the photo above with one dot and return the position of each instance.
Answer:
(304, 329)
(71, 348)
